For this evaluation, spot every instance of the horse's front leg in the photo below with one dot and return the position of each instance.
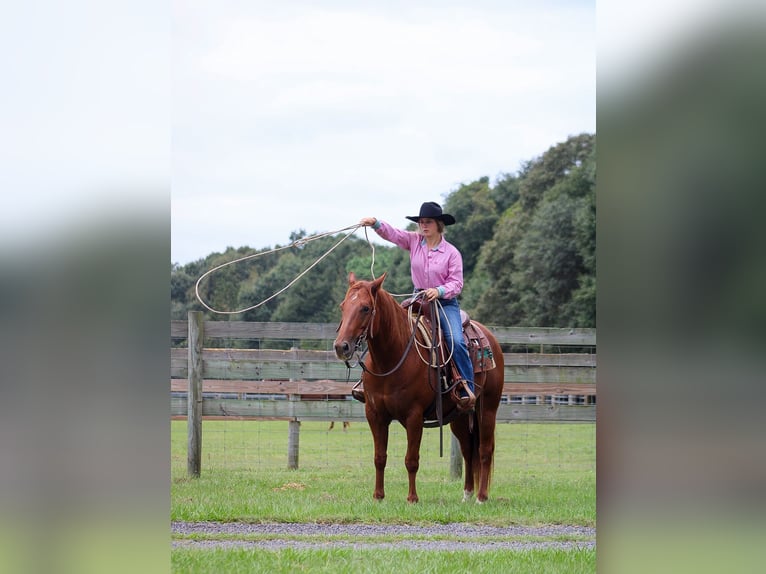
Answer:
(380, 439)
(412, 458)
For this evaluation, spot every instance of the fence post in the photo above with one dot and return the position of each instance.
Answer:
(455, 459)
(293, 438)
(194, 405)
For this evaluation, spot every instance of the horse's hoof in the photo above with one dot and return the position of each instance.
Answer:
(467, 496)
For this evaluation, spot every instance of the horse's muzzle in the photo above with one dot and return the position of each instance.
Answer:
(343, 350)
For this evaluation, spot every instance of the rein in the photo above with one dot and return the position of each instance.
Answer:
(367, 334)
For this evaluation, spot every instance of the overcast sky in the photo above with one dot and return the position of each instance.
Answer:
(294, 115)
(271, 117)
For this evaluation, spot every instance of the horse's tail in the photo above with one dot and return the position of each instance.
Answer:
(475, 442)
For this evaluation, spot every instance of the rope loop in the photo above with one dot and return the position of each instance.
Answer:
(297, 243)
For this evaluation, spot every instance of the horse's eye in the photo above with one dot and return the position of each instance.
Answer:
(365, 309)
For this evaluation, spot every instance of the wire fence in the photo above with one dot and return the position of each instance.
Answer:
(545, 367)
(257, 445)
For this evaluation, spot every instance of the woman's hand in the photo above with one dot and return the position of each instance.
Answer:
(431, 293)
(368, 221)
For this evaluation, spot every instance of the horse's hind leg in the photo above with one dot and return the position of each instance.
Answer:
(460, 430)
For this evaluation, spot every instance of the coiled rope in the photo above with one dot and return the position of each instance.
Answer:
(297, 243)
(432, 345)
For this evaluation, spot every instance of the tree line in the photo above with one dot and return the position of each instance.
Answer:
(528, 242)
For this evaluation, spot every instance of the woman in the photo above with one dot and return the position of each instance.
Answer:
(436, 267)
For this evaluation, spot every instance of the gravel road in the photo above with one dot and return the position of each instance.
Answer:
(461, 534)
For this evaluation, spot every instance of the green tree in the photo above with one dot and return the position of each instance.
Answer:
(528, 245)
(312, 298)
(539, 175)
(548, 265)
(581, 310)
(492, 294)
(476, 215)
(539, 267)
(362, 265)
(505, 192)
(220, 290)
(315, 296)
(262, 286)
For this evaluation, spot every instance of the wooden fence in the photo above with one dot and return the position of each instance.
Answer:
(544, 380)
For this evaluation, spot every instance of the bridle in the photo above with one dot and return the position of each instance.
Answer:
(367, 333)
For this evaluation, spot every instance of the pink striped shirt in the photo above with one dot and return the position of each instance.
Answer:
(440, 267)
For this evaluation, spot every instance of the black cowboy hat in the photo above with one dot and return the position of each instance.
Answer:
(432, 210)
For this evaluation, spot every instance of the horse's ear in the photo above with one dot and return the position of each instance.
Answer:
(378, 282)
(351, 278)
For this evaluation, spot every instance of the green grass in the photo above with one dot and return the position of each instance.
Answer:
(342, 561)
(544, 474)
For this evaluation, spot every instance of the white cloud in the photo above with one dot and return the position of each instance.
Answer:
(351, 111)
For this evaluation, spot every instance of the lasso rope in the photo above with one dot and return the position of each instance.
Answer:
(297, 243)
(438, 319)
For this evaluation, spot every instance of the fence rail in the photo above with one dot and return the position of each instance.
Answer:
(245, 382)
(545, 382)
(327, 331)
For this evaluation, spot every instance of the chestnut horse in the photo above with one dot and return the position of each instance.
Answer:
(399, 387)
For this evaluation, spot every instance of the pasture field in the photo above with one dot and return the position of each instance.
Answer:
(347, 561)
(544, 474)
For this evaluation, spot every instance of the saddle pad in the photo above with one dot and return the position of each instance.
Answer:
(476, 341)
(478, 348)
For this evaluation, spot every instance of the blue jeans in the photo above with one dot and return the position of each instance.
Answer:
(453, 333)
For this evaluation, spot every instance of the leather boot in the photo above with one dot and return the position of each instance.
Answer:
(358, 391)
(464, 398)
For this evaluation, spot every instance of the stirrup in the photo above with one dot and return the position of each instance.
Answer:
(358, 391)
(467, 403)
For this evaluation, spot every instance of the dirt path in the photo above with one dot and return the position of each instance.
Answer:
(462, 536)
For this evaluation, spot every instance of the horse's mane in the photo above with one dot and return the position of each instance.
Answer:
(391, 318)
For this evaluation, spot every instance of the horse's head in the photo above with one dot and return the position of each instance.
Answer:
(357, 315)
